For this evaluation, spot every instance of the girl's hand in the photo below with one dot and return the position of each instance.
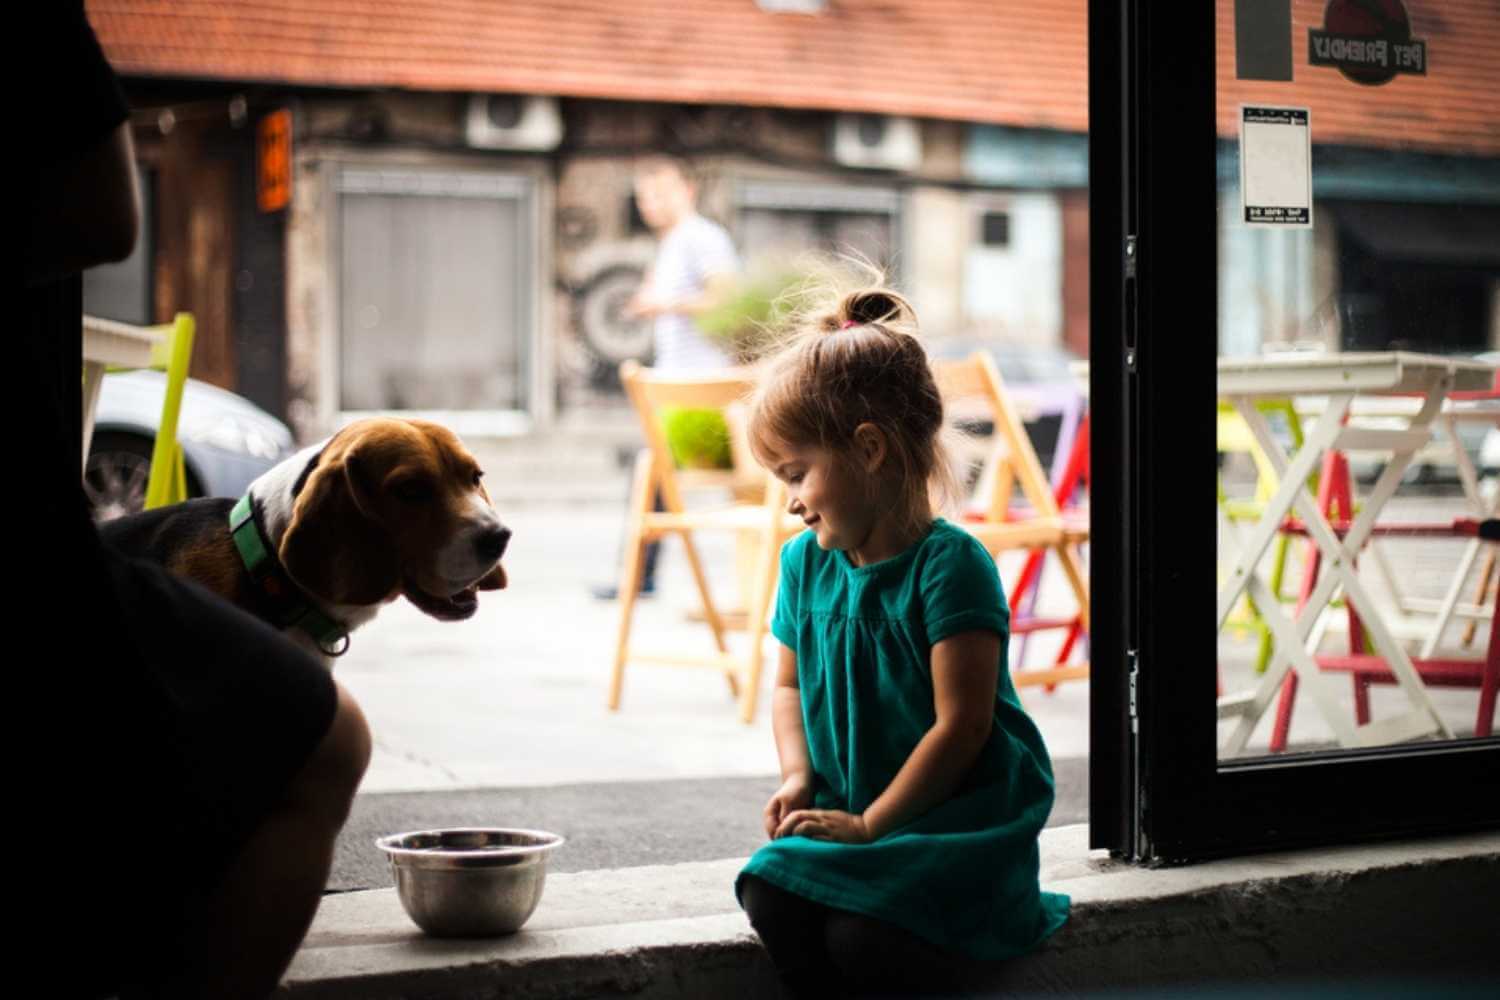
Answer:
(825, 824)
(795, 793)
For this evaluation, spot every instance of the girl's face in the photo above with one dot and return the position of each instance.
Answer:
(832, 497)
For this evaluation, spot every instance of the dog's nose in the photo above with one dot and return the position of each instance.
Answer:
(491, 544)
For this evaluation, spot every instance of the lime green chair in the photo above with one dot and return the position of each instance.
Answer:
(1234, 437)
(111, 346)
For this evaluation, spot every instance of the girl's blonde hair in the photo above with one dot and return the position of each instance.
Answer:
(857, 361)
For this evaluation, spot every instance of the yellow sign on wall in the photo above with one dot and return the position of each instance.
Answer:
(274, 161)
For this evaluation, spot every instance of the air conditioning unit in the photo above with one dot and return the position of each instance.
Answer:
(512, 121)
(877, 142)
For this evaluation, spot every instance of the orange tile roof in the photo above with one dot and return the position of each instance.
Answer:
(1022, 64)
(975, 60)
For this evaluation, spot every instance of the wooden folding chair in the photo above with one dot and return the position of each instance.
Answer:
(763, 518)
(112, 346)
(1038, 525)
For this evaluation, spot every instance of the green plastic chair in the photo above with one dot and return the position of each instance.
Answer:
(1234, 437)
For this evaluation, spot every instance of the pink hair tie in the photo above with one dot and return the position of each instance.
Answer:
(846, 324)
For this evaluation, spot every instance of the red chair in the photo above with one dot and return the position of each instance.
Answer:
(1366, 669)
(1073, 478)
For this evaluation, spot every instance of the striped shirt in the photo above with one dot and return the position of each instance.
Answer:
(690, 254)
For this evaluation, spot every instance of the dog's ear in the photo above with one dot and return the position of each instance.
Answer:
(336, 548)
(493, 580)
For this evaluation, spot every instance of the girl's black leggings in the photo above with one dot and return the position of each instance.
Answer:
(824, 952)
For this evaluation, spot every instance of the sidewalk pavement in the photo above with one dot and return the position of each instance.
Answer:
(514, 697)
(500, 720)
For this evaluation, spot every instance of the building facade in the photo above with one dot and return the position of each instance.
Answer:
(459, 238)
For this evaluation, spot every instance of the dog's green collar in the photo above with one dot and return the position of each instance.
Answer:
(281, 594)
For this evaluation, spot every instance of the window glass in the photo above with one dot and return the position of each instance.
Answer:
(1359, 277)
(433, 291)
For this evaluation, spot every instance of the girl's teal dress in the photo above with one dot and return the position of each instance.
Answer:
(964, 875)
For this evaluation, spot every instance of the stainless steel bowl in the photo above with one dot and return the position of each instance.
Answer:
(470, 882)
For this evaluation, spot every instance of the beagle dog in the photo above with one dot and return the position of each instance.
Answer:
(384, 508)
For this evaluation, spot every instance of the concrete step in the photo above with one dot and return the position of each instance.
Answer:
(1410, 918)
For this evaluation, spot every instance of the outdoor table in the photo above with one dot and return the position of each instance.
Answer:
(1341, 377)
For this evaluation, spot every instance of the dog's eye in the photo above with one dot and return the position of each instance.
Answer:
(478, 475)
(412, 491)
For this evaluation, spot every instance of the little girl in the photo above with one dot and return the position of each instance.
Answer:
(904, 834)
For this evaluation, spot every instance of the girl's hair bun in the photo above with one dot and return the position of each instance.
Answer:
(869, 305)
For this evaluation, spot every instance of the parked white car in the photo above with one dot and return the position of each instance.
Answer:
(227, 441)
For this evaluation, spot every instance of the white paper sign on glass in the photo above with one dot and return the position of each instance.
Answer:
(1276, 166)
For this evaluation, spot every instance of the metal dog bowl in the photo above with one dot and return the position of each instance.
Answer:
(471, 882)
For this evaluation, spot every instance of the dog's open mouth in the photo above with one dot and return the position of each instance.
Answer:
(454, 607)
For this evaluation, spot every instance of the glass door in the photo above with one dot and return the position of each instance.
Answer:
(1305, 202)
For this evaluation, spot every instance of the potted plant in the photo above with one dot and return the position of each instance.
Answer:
(697, 438)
